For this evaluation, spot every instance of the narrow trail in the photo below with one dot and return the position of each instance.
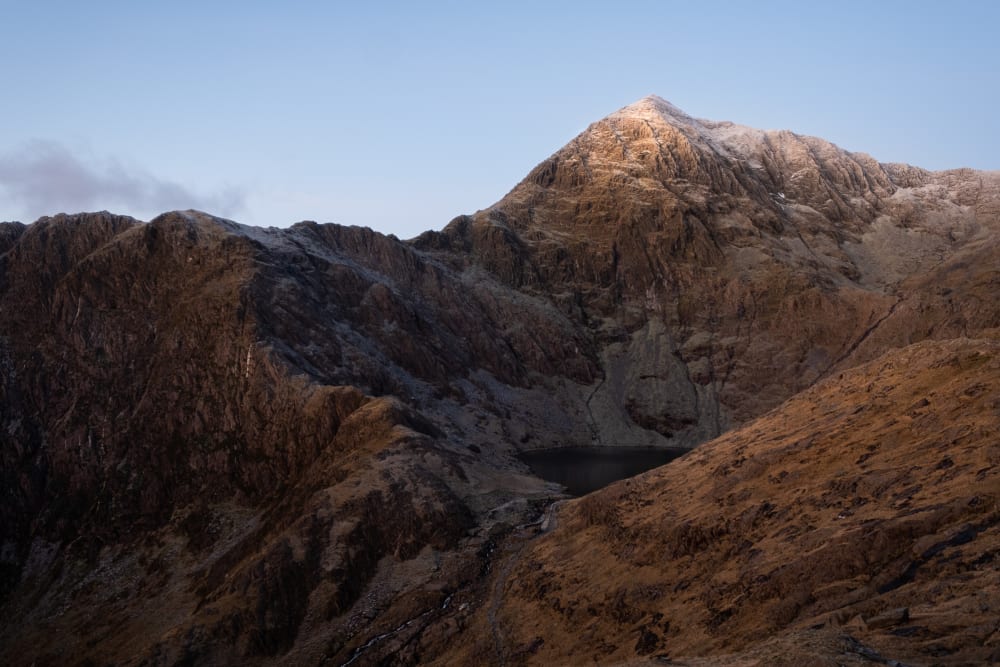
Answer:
(544, 524)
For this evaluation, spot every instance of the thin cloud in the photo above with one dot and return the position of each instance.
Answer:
(44, 177)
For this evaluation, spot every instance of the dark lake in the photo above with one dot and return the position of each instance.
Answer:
(585, 469)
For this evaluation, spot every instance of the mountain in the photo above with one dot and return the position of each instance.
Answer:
(745, 244)
(222, 444)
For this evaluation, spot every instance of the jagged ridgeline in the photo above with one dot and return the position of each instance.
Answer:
(227, 445)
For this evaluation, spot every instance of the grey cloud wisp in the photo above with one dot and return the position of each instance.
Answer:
(44, 178)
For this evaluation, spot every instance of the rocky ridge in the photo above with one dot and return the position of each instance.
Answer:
(252, 397)
(302, 442)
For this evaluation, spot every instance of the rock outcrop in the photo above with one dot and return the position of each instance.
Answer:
(224, 444)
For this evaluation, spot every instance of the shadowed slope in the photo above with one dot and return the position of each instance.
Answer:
(199, 417)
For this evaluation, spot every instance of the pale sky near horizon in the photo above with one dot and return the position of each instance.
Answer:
(400, 116)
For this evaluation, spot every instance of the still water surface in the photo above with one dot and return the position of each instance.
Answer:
(585, 469)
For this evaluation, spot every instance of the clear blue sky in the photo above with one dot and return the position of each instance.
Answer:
(400, 116)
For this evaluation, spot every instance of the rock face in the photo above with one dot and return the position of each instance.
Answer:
(224, 444)
(743, 246)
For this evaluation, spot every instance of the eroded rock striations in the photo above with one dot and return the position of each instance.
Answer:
(225, 444)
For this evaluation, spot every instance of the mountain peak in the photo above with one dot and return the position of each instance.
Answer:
(656, 106)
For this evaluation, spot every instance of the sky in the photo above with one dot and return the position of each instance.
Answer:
(401, 115)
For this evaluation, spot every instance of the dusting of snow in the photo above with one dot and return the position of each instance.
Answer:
(725, 138)
(657, 110)
(738, 142)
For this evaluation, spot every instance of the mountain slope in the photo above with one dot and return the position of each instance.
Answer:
(874, 491)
